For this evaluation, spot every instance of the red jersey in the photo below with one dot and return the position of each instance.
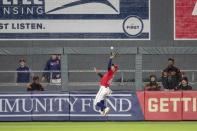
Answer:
(108, 77)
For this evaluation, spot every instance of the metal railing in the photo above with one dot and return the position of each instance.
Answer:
(190, 73)
(9, 78)
(186, 72)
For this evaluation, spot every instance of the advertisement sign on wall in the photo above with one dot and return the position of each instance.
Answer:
(79, 106)
(75, 19)
(189, 105)
(185, 19)
(163, 105)
(32, 107)
(74, 106)
(124, 106)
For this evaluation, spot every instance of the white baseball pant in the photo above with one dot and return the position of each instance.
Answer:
(102, 94)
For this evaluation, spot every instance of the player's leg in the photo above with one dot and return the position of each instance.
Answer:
(103, 95)
(108, 92)
(101, 105)
(100, 99)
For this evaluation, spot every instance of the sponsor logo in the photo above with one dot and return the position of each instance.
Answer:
(133, 25)
(40, 7)
(52, 104)
(82, 7)
(164, 104)
(21, 7)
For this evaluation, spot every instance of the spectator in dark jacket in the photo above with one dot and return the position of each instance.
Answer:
(35, 85)
(23, 72)
(52, 68)
(152, 85)
(171, 76)
(184, 85)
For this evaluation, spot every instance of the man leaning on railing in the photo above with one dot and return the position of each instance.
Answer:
(23, 72)
(171, 76)
(52, 70)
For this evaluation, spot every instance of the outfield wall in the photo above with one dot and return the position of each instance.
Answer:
(78, 106)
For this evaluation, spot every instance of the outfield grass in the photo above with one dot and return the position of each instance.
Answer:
(98, 126)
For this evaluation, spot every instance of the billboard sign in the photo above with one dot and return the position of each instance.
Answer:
(185, 19)
(124, 106)
(163, 105)
(32, 107)
(75, 19)
(76, 106)
(189, 105)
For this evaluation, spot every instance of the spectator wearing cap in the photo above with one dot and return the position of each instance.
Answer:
(184, 85)
(35, 85)
(152, 85)
(23, 72)
(52, 70)
(171, 76)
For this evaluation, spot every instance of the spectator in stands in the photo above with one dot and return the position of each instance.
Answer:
(35, 85)
(152, 85)
(184, 85)
(53, 67)
(171, 76)
(59, 57)
(23, 72)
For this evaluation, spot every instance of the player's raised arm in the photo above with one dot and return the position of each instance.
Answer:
(110, 61)
(112, 56)
(109, 64)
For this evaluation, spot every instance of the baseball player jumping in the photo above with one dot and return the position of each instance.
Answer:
(105, 82)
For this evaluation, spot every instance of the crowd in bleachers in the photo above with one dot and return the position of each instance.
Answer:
(172, 79)
(51, 73)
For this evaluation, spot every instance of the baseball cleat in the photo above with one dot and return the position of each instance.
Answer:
(101, 112)
(106, 111)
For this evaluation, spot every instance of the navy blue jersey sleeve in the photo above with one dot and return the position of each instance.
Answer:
(109, 64)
